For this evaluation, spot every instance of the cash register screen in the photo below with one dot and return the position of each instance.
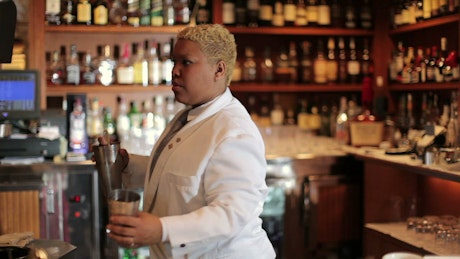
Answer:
(19, 95)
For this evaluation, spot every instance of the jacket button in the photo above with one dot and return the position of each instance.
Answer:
(182, 245)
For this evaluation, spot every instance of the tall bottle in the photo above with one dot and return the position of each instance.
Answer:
(145, 10)
(156, 13)
(168, 13)
(266, 13)
(154, 65)
(312, 12)
(125, 69)
(353, 66)
(441, 61)
(301, 14)
(266, 66)
(69, 13)
(166, 63)
(134, 13)
(241, 13)
(337, 14)
(56, 70)
(53, 12)
(122, 120)
(324, 13)
(100, 12)
(343, 72)
(366, 62)
(332, 64)
(252, 10)
(289, 11)
(350, 15)
(228, 12)
(73, 66)
(320, 64)
(365, 15)
(107, 68)
(278, 16)
(181, 11)
(204, 14)
(249, 65)
(342, 129)
(84, 12)
(78, 138)
(293, 62)
(306, 63)
(88, 70)
(140, 65)
(95, 119)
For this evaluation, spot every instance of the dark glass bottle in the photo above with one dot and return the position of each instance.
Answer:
(69, 14)
(306, 63)
(266, 13)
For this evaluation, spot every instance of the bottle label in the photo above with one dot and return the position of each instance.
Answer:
(84, 13)
(228, 13)
(53, 6)
(101, 15)
(266, 13)
(289, 12)
(324, 15)
(353, 67)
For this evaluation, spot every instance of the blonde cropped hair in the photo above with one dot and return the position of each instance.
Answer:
(216, 42)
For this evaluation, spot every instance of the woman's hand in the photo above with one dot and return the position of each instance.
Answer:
(129, 231)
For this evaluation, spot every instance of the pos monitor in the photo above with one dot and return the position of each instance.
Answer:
(19, 95)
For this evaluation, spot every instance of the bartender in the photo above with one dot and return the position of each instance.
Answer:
(204, 188)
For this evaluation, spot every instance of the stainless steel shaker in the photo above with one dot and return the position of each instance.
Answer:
(110, 172)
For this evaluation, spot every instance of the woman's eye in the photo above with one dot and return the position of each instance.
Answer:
(187, 62)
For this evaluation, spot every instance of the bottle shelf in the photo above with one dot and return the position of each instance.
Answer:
(312, 31)
(59, 90)
(113, 29)
(425, 86)
(292, 87)
(428, 24)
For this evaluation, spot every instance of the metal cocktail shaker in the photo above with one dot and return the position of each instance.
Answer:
(110, 172)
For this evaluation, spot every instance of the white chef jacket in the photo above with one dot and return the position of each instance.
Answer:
(209, 186)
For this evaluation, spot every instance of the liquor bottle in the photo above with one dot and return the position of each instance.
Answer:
(407, 71)
(399, 61)
(159, 113)
(88, 71)
(166, 63)
(365, 15)
(282, 70)
(168, 13)
(419, 11)
(325, 129)
(266, 66)
(252, 13)
(181, 11)
(342, 129)
(293, 62)
(353, 66)
(122, 121)
(451, 69)
(53, 12)
(106, 70)
(266, 13)
(118, 13)
(426, 9)
(350, 15)
(342, 73)
(432, 56)
(366, 62)
(84, 12)
(108, 124)
(133, 13)
(78, 139)
(441, 61)
(332, 63)
(156, 13)
(95, 119)
(134, 115)
(324, 13)
(154, 64)
(435, 11)
(140, 65)
(306, 63)
(204, 15)
(277, 113)
(420, 65)
(301, 14)
(241, 13)
(337, 14)
(278, 16)
(237, 72)
(69, 14)
(73, 66)
(125, 69)
(249, 65)
(303, 116)
(452, 125)
(100, 12)
(289, 12)
(320, 64)
(145, 10)
(228, 12)
(56, 70)
(443, 7)
(312, 13)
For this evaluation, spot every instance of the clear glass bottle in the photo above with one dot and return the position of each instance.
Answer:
(122, 121)
(166, 63)
(140, 65)
(106, 70)
(125, 69)
(78, 138)
(154, 65)
(73, 66)
(168, 13)
(181, 11)
(88, 71)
